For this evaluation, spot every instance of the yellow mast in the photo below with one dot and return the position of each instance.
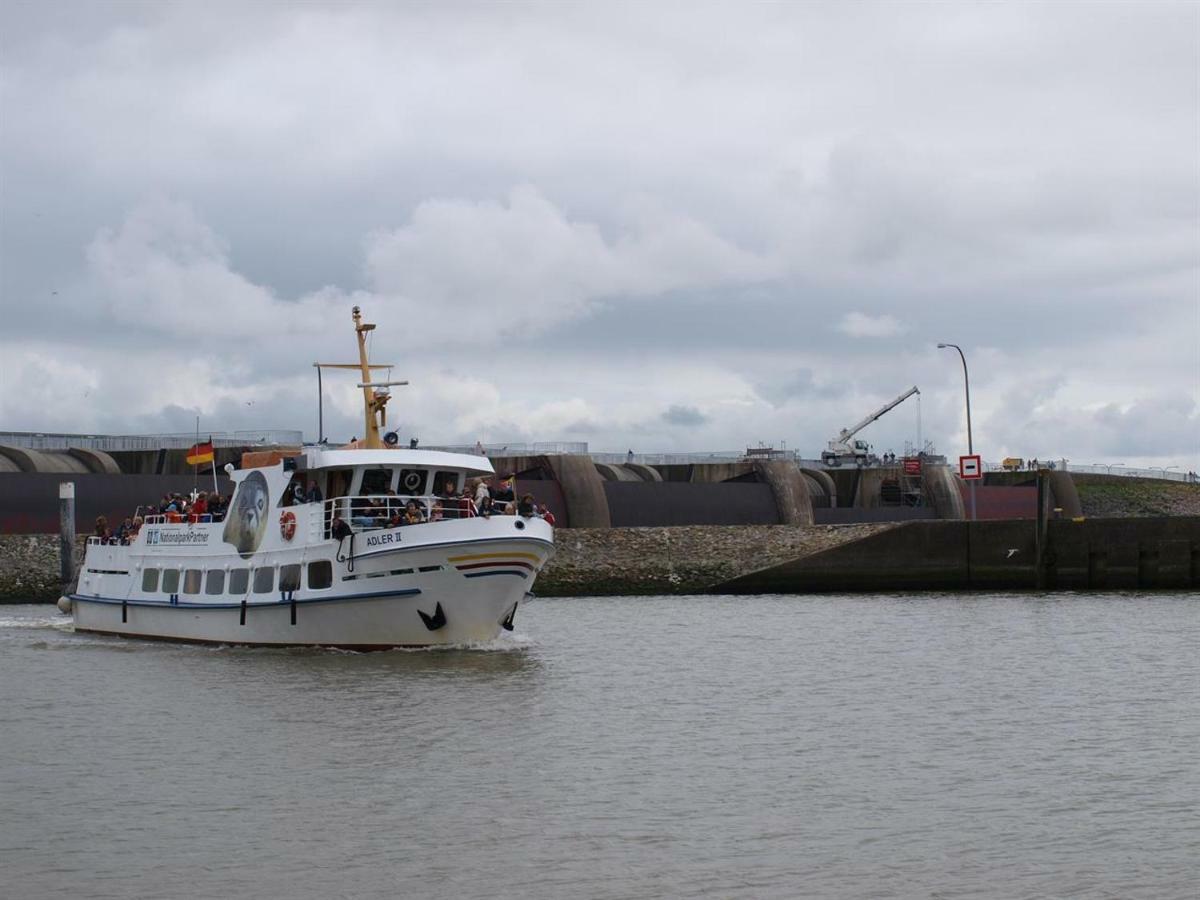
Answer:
(374, 401)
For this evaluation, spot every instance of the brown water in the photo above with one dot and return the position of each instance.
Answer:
(915, 746)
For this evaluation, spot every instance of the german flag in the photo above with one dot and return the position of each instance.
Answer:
(200, 453)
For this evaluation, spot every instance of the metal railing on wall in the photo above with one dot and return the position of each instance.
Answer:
(1161, 473)
(37, 440)
(550, 448)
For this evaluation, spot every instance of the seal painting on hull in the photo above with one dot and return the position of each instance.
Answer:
(248, 520)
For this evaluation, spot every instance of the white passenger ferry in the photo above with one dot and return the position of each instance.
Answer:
(335, 572)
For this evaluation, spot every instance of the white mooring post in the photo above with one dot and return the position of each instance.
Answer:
(66, 532)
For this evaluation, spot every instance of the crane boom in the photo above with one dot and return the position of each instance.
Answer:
(848, 433)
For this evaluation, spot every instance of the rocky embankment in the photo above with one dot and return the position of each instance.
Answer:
(1112, 497)
(683, 560)
(29, 567)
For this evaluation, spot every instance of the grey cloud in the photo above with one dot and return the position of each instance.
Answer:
(684, 416)
(609, 190)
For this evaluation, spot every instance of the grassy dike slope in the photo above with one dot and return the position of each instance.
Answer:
(1114, 496)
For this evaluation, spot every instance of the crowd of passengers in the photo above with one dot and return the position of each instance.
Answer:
(201, 507)
(477, 498)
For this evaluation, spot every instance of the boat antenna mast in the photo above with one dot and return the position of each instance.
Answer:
(375, 393)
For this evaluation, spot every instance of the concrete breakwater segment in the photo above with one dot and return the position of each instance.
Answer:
(1097, 554)
(686, 560)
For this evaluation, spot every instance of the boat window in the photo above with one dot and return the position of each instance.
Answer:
(191, 581)
(289, 578)
(412, 482)
(264, 580)
(439, 482)
(150, 581)
(216, 582)
(320, 574)
(339, 484)
(170, 584)
(375, 481)
(239, 580)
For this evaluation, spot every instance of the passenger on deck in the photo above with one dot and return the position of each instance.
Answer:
(412, 513)
(544, 512)
(504, 491)
(481, 491)
(123, 530)
(314, 493)
(525, 507)
(134, 529)
(102, 531)
(448, 501)
(338, 529)
(362, 512)
(485, 507)
(466, 505)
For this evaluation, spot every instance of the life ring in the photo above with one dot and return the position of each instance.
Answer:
(287, 524)
(412, 481)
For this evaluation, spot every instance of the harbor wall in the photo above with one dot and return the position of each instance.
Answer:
(29, 501)
(1095, 554)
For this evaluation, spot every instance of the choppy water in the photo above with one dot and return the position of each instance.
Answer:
(915, 746)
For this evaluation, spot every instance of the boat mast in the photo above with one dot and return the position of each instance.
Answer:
(374, 401)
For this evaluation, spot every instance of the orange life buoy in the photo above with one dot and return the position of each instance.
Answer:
(287, 524)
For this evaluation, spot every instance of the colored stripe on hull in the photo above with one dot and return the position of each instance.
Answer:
(360, 648)
(163, 604)
(532, 556)
(507, 562)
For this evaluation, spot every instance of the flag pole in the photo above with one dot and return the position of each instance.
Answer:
(214, 464)
(196, 468)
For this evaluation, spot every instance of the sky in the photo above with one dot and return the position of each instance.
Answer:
(664, 227)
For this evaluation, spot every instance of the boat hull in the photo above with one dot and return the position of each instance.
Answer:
(391, 619)
(450, 589)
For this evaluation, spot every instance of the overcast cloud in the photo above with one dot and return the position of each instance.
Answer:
(643, 225)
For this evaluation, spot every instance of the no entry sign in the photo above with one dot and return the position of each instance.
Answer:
(970, 467)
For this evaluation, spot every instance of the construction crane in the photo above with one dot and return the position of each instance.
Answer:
(859, 451)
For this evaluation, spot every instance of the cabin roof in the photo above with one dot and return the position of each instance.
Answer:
(431, 459)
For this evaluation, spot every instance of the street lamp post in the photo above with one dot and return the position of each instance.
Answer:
(967, 388)
(320, 405)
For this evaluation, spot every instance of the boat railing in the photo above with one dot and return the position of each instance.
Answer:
(112, 541)
(177, 518)
(367, 512)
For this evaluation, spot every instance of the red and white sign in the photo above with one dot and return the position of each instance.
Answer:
(970, 467)
(912, 465)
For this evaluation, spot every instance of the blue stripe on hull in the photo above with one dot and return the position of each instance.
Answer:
(163, 604)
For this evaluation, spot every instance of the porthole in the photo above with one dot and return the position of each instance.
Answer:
(519, 525)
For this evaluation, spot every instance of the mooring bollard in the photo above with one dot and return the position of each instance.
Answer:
(66, 533)
(1039, 560)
